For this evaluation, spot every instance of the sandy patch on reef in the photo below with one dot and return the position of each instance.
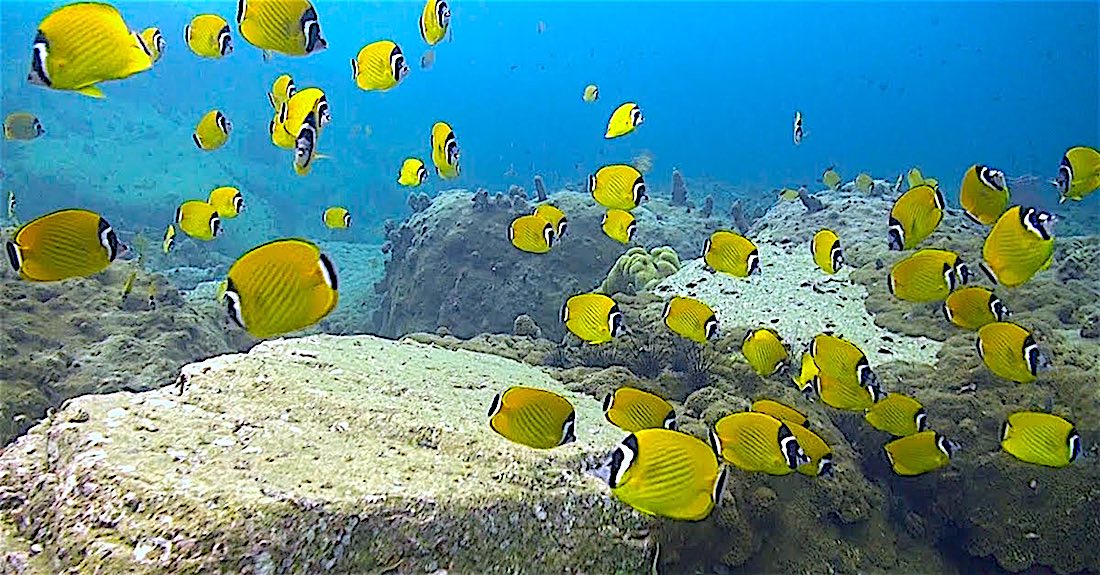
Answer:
(794, 297)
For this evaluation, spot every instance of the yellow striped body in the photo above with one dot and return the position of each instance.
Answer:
(633, 410)
(63, 244)
(81, 44)
(593, 317)
(666, 473)
(731, 253)
(533, 417)
(280, 287)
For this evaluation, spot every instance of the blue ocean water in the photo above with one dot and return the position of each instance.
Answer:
(882, 86)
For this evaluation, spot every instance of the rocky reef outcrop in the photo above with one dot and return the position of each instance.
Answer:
(80, 336)
(322, 454)
(451, 264)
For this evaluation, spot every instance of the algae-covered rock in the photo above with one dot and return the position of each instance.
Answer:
(322, 454)
(78, 336)
(638, 270)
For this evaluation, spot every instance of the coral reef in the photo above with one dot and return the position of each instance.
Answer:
(524, 326)
(540, 189)
(445, 259)
(988, 510)
(811, 203)
(638, 270)
(679, 189)
(80, 336)
(419, 202)
(272, 462)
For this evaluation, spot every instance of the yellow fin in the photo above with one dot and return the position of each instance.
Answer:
(92, 91)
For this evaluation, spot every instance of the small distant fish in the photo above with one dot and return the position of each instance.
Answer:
(533, 417)
(619, 225)
(591, 93)
(798, 133)
(288, 27)
(154, 41)
(281, 91)
(412, 172)
(151, 296)
(199, 220)
(618, 187)
(82, 44)
(128, 286)
(556, 217)
(11, 206)
(445, 151)
(831, 178)
(632, 409)
(427, 60)
(379, 66)
(665, 473)
(1020, 245)
(927, 276)
(984, 194)
(624, 120)
(818, 452)
(826, 251)
(972, 307)
(336, 218)
(169, 238)
(914, 216)
(1010, 352)
(897, 414)
(731, 253)
(915, 178)
(594, 318)
(788, 195)
(208, 36)
(919, 453)
(212, 131)
(435, 21)
(227, 200)
(22, 126)
(1041, 439)
(864, 183)
(757, 442)
(63, 244)
(765, 352)
(532, 234)
(780, 411)
(691, 319)
(280, 287)
(540, 27)
(1078, 174)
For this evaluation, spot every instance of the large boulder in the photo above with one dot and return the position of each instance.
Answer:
(322, 454)
(452, 265)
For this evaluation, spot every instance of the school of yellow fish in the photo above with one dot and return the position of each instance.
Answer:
(289, 284)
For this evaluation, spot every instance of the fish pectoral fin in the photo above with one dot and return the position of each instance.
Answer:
(92, 91)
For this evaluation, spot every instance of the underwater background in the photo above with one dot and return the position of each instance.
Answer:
(883, 86)
(363, 448)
